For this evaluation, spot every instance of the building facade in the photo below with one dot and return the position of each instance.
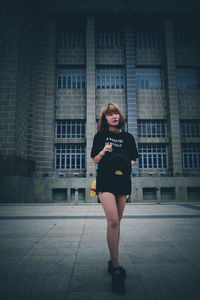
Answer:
(61, 61)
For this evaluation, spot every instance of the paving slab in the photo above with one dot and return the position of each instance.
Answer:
(59, 251)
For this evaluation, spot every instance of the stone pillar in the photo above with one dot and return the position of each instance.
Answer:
(90, 93)
(68, 194)
(175, 162)
(9, 55)
(131, 86)
(37, 94)
(15, 61)
(42, 103)
(48, 164)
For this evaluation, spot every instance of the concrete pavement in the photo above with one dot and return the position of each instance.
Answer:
(52, 251)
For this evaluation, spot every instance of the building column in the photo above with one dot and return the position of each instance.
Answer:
(15, 66)
(9, 64)
(42, 95)
(48, 163)
(37, 94)
(131, 86)
(175, 162)
(90, 93)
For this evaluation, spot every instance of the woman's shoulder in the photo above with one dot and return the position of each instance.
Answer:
(127, 134)
(99, 135)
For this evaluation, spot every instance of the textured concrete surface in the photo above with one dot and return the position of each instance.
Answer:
(60, 252)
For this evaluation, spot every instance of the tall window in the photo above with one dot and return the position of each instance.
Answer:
(70, 157)
(152, 128)
(186, 79)
(153, 156)
(187, 40)
(148, 40)
(108, 40)
(71, 78)
(70, 129)
(190, 128)
(191, 156)
(149, 79)
(70, 40)
(109, 78)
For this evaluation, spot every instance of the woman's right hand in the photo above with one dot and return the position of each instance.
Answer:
(98, 157)
(107, 148)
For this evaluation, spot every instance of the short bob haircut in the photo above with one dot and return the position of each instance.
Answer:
(108, 109)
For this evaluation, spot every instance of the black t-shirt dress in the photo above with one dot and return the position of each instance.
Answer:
(114, 169)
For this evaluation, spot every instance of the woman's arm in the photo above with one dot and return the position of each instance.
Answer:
(98, 157)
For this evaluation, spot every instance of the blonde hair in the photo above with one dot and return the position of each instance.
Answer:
(107, 109)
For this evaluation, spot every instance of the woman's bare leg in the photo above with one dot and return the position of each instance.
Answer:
(109, 204)
(121, 202)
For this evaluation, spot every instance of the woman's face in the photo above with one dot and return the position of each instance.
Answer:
(112, 119)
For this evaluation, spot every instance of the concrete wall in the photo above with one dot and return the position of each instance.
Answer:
(152, 104)
(10, 82)
(113, 56)
(75, 56)
(128, 6)
(150, 190)
(189, 104)
(71, 104)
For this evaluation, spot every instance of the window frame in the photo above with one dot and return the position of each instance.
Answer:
(146, 128)
(109, 39)
(145, 78)
(70, 129)
(184, 76)
(151, 158)
(187, 40)
(148, 40)
(71, 78)
(190, 128)
(190, 157)
(108, 77)
(67, 40)
(70, 157)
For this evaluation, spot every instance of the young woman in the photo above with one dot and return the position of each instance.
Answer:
(115, 152)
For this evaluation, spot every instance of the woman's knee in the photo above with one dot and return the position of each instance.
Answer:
(113, 222)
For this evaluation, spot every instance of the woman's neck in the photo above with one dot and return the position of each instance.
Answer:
(114, 129)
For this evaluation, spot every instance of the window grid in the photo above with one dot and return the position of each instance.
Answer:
(73, 78)
(152, 128)
(187, 40)
(148, 40)
(191, 156)
(153, 156)
(190, 128)
(108, 40)
(110, 78)
(70, 157)
(70, 129)
(186, 79)
(149, 79)
(70, 40)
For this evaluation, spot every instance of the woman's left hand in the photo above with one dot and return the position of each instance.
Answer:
(133, 162)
